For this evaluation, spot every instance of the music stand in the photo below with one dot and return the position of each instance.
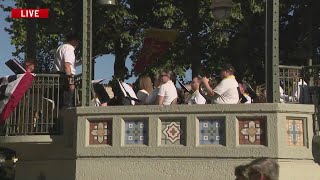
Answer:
(15, 66)
(250, 90)
(128, 92)
(183, 86)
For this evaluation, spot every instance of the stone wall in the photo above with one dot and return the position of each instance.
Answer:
(192, 142)
(172, 142)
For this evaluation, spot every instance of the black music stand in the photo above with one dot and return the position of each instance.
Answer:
(15, 66)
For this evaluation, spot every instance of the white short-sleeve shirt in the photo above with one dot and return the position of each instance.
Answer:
(226, 91)
(65, 53)
(168, 91)
(196, 98)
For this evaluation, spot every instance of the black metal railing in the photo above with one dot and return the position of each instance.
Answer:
(37, 112)
(311, 75)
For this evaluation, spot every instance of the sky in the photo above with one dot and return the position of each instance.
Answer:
(103, 65)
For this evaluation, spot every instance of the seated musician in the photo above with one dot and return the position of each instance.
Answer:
(145, 86)
(151, 99)
(167, 92)
(226, 92)
(244, 91)
(101, 95)
(195, 97)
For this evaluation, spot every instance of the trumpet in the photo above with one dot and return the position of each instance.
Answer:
(212, 83)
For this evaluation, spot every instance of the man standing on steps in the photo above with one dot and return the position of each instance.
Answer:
(65, 64)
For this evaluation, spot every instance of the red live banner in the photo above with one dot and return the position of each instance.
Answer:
(29, 13)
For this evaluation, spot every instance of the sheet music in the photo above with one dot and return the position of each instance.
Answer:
(128, 89)
(182, 85)
(96, 81)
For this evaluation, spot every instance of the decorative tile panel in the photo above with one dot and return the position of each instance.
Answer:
(100, 132)
(136, 132)
(172, 133)
(295, 132)
(252, 131)
(211, 132)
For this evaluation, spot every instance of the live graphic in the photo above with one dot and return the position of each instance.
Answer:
(29, 13)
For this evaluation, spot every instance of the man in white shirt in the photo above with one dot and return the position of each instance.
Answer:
(167, 92)
(195, 97)
(65, 63)
(226, 92)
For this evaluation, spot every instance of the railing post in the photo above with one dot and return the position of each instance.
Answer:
(86, 53)
(272, 51)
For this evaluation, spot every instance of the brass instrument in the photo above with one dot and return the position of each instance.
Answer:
(212, 83)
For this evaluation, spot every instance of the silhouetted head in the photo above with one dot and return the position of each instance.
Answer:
(227, 70)
(73, 39)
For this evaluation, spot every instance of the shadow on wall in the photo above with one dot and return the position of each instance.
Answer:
(316, 149)
(42, 176)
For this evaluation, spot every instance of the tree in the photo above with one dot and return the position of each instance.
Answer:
(204, 43)
(113, 30)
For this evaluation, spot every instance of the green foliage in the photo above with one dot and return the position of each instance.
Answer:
(203, 40)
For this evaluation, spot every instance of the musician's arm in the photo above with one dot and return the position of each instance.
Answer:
(207, 87)
(160, 96)
(159, 100)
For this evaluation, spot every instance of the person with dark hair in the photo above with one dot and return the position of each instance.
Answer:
(167, 93)
(30, 64)
(246, 98)
(226, 92)
(145, 89)
(241, 172)
(65, 64)
(101, 94)
(151, 99)
(263, 169)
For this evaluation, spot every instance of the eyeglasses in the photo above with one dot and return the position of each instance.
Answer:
(163, 75)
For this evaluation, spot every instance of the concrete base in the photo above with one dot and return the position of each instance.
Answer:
(298, 170)
(316, 149)
(184, 169)
(153, 168)
(74, 156)
(45, 170)
(156, 169)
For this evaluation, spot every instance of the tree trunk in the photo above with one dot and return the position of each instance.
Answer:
(121, 53)
(195, 29)
(31, 41)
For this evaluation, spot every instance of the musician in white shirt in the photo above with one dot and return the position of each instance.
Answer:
(195, 97)
(167, 92)
(65, 63)
(226, 92)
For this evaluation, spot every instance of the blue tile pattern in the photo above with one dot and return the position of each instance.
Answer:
(211, 132)
(136, 132)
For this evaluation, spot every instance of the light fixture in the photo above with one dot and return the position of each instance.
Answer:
(221, 8)
(107, 2)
